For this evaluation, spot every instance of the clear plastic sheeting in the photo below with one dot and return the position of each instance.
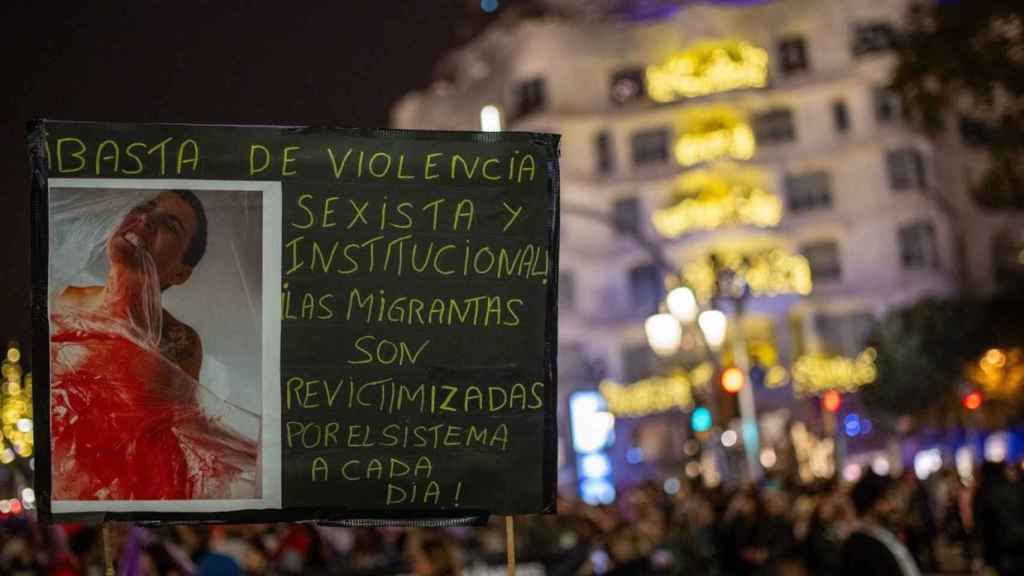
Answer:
(154, 299)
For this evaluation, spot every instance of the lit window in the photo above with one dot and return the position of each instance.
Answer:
(906, 169)
(490, 119)
(650, 146)
(809, 191)
(605, 152)
(774, 126)
(917, 246)
(793, 55)
(823, 258)
(873, 37)
(628, 85)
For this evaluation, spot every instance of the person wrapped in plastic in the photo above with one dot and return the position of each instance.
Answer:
(126, 423)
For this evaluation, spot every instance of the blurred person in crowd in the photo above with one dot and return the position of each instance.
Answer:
(431, 554)
(733, 525)
(824, 538)
(954, 513)
(872, 548)
(628, 553)
(776, 529)
(999, 520)
(759, 531)
(691, 535)
(918, 518)
(214, 564)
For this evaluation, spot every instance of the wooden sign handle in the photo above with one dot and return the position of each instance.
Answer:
(108, 554)
(510, 544)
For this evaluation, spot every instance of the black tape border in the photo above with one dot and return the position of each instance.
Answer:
(40, 236)
(40, 257)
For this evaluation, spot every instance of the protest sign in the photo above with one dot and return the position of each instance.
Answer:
(277, 323)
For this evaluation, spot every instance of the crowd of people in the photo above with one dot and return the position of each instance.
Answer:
(876, 526)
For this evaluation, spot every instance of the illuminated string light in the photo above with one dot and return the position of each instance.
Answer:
(704, 200)
(708, 67)
(16, 412)
(713, 133)
(655, 395)
(814, 374)
(767, 273)
(999, 372)
(815, 456)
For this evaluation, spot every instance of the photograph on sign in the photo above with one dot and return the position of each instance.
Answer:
(156, 292)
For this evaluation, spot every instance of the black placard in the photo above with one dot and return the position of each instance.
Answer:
(411, 288)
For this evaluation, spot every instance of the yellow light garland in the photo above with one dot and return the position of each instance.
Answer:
(768, 273)
(814, 374)
(704, 201)
(708, 67)
(999, 372)
(657, 394)
(736, 142)
(15, 409)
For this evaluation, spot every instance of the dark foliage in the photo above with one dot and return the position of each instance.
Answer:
(967, 57)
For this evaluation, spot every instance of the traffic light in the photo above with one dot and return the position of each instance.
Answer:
(831, 401)
(972, 401)
(733, 379)
(700, 419)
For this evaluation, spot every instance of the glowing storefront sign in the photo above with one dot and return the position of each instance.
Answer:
(767, 273)
(817, 373)
(708, 67)
(706, 200)
(593, 427)
(593, 431)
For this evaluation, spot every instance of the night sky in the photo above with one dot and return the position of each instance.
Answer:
(341, 63)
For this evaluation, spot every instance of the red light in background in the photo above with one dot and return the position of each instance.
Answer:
(831, 401)
(732, 380)
(15, 506)
(973, 400)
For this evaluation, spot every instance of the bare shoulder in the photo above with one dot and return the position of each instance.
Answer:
(180, 343)
(79, 296)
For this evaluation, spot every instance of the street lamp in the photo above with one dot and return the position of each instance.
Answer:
(713, 325)
(664, 334)
(682, 304)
